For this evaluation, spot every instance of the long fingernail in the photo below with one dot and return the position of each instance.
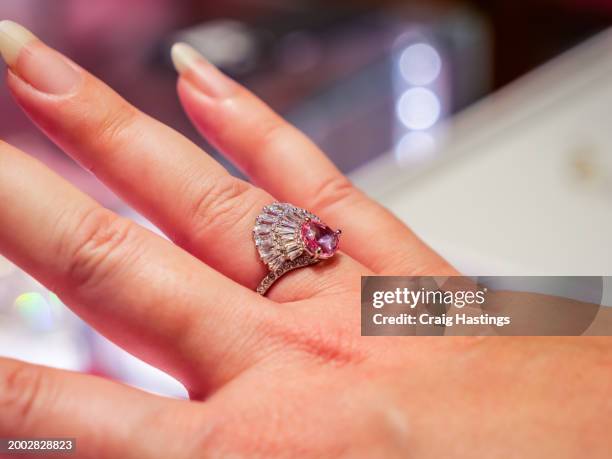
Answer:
(37, 64)
(13, 38)
(190, 64)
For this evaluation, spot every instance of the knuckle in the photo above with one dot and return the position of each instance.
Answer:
(114, 123)
(333, 190)
(272, 133)
(272, 138)
(20, 391)
(99, 247)
(219, 207)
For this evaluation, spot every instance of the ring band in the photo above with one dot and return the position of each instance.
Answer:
(289, 238)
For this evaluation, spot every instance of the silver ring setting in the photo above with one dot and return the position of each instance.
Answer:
(288, 238)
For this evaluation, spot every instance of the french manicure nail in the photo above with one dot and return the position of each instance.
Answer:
(35, 63)
(13, 38)
(190, 64)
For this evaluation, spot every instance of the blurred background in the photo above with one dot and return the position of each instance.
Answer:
(483, 124)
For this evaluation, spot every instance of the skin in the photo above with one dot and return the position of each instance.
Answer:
(283, 376)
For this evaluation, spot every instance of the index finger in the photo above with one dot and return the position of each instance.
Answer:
(95, 418)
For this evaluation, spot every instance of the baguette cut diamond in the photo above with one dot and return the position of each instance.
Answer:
(288, 238)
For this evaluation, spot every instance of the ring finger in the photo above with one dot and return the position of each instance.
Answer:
(195, 201)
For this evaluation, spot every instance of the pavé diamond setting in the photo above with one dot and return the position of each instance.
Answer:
(288, 238)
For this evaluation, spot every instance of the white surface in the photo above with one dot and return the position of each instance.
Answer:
(524, 184)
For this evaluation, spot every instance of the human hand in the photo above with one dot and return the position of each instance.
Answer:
(286, 375)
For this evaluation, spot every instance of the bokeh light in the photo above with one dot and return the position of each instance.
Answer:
(418, 108)
(415, 147)
(420, 64)
(34, 309)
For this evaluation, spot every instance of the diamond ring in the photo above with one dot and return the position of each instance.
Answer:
(288, 238)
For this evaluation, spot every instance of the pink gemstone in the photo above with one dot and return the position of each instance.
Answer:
(316, 235)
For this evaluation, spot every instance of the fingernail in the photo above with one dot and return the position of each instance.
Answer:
(13, 38)
(190, 64)
(34, 62)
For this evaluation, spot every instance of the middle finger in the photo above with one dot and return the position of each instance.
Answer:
(136, 288)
